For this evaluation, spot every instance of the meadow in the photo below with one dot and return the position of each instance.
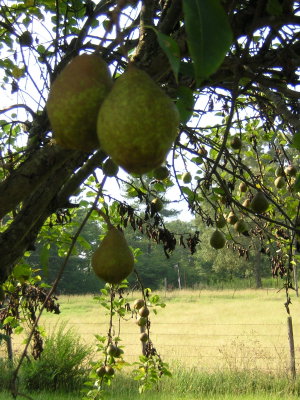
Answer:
(229, 344)
(203, 329)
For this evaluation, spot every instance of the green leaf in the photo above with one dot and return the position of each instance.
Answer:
(185, 103)
(209, 35)
(296, 141)
(171, 48)
(274, 7)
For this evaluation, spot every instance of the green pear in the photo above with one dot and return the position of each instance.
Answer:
(290, 170)
(161, 173)
(110, 168)
(232, 218)
(137, 122)
(113, 261)
(138, 303)
(217, 240)
(236, 143)
(243, 187)
(156, 205)
(25, 39)
(220, 221)
(144, 337)
(247, 203)
(279, 171)
(240, 226)
(74, 100)
(186, 177)
(259, 203)
(279, 182)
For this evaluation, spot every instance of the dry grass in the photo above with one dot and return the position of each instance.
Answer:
(206, 329)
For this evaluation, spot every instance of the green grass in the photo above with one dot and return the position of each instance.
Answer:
(218, 344)
(191, 385)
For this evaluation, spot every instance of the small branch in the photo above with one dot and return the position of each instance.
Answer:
(14, 106)
(54, 286)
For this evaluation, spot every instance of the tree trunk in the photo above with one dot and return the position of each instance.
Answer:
(257, 270)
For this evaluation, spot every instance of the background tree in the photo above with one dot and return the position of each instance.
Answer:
(231, 67)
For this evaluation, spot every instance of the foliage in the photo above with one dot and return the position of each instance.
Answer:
(61, 366)
(150, 369)
(233, 73)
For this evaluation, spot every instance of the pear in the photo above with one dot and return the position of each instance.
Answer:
(279, 171)
(259, 203)
(138, 303)
(247, 203)
(217, 240)
(144, 337)
(110, 168)
(240, 226)
(232, 218)
(109, 370)
(113, 261)
(236, 143)
(25, 39)
(101, 371)
(144, 312)
(243, 187)
(161, 173)
(290, 170)
(137, 122)
(156, 205)
(279, 182)
(186, 177)
(74, 100)
(220, 221)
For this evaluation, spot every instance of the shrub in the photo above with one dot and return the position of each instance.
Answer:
(62, 365)
(6, 368)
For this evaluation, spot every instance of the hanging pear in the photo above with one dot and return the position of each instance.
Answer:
(113, 261)
(137, 122)
(74, 100)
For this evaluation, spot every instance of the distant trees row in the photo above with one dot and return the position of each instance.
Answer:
(205, 267)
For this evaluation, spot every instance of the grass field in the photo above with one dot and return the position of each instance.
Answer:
(200, 334)
(203, 329)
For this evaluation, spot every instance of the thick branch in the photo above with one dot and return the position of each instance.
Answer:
(30, 175)
(26, 225)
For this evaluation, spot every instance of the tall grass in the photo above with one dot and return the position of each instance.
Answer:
(62, 365)
(192, 384)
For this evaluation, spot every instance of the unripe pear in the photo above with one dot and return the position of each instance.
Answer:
(137, 122)
(259, 203)
(142, 321)
(161, 173)
(232, 218)
(138, 303)
(74, 100)
(144, 337)
(243, 187)
(279, 182)
(101, 371)
(156, 205)
(26, 39)
(113, 261)
(240, 226)
(217, 240)
(279, 171)
(144, 312)
(186, 177)
(110, 168)
(236, 143)
(290, 170)
(220, 221)
(109, 370)
(247, 203)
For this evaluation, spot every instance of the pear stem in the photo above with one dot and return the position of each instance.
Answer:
(105, 217)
